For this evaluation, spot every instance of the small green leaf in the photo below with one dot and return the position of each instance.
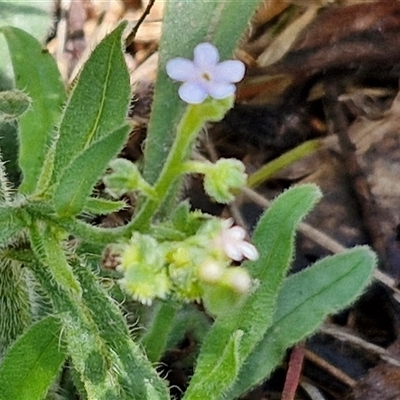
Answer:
(49, 252)
(274, 239)
(103, 206)
(76, 183)
(37, 74)
(304, 302)
(98, 103)
(33, 362)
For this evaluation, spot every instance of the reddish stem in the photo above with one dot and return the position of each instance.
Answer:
(293, 373)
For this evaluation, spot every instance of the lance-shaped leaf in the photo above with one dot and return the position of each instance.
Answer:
(37, 74)
(304, 301)
(98, 103)
(274, 239)
(77, 180)
(135, 370)
(219, 22)
(33, 362)
(90, 357)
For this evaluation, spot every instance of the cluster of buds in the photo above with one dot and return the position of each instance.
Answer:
(196, 268)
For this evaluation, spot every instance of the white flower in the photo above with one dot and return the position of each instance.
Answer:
(204, 76)
(231, 240)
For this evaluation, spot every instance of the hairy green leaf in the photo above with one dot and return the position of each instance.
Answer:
(98, 103)
(95, 364)
(33, 362)
(103, 206)
(49, 252)
(304, 301)
(76, 182)
(37, 74)
(113, 330)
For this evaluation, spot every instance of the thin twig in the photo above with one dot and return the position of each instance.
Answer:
(331, 369)
(341, 334)
(131, 37)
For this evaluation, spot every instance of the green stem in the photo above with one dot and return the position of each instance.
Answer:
(276, 165)
(155, 339)
(190, 125)
(193, 120)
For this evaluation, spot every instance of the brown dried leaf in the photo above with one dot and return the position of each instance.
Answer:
(285, 40)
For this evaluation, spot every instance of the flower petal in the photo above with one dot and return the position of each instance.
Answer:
(229, 71)
(236, 233)
(249, 251)
(181, 69)
(219, 90)
(205, 55)
(192, 93)
(232, 251)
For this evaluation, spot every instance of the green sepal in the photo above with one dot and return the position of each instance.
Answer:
(32, 363)
(305, 300)
(98, 102)
(76, 182)
(36, 73)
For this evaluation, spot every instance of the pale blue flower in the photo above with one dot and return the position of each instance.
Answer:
(205, 76)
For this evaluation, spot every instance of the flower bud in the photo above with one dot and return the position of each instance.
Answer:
(224, 177)
(125, 178)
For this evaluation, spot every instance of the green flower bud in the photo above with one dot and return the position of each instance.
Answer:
(13, 103)
(142, 262)
(221, 178)
(225, 176)
(184, 259)
(145, 286)
(125, 178)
